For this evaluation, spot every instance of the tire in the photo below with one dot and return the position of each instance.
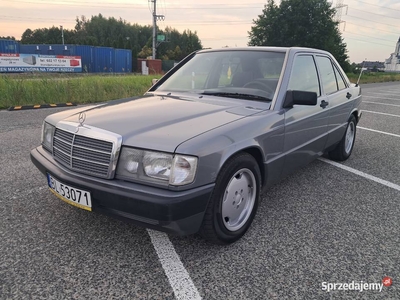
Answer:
(234, 201)
(345, 147)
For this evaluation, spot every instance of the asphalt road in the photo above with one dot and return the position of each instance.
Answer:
(322, 224)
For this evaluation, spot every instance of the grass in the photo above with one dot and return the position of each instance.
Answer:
(28, 90)
(31, 89)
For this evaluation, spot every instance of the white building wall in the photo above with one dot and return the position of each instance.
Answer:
(393, 62)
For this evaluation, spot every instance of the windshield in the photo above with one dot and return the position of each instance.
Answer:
(228, 74)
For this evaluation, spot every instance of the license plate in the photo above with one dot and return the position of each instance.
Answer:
(71, 195)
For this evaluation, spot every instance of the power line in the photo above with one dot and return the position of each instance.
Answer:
(80, 4)
(34, 18)
(381, 6)
(160, 7)
(371, 21)
(363, 26)
(214, 23)
(368, 42)
(369, 36)
(194, 22)
(124, 5)
(368, 12)
(225, 38)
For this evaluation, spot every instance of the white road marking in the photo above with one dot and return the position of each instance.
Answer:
(382, 98)
(179, 279)
(372, 90)
(380, 113)
(378, 131)
(381, 103)
(396, 91)
(382, 93)
(362, 174)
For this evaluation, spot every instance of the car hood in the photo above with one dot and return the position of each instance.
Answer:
(160, 122)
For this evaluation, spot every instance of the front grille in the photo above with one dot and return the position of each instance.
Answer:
(82, 154)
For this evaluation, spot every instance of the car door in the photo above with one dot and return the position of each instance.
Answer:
(305, 126)
(338, 96)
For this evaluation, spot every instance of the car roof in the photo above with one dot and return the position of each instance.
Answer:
(251, 48)
(265, 48)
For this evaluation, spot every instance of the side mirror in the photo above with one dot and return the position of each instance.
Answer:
(154, 81)
(300, 98)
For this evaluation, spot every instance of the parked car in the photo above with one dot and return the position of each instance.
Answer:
(194, 153)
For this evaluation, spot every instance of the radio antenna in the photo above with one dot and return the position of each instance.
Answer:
(362, 67)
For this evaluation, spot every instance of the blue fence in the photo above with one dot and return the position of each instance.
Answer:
(9, 46)
(94, 59)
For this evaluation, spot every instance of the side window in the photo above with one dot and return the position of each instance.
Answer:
(340, 81)
(327, 74)
(304, 75)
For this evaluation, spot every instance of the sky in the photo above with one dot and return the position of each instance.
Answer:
(370, 28)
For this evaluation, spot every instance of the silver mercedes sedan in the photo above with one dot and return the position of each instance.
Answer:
(194, 153)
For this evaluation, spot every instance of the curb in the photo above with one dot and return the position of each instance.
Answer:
(24, 107)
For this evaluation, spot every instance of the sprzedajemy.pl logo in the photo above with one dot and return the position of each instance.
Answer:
(357, 285)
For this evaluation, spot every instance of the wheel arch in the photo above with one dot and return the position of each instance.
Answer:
(257, 154)
(355, 114)
(214, 227)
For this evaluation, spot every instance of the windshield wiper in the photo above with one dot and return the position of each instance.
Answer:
(237, 95)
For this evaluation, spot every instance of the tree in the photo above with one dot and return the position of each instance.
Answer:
(302, 23)
(7, 38)
(146, 52)
(178, 45)
(173, 54)
(117, 33)
(266, 30)
(27, 36)
(47, 36)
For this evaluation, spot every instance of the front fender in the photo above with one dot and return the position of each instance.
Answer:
(263, 132)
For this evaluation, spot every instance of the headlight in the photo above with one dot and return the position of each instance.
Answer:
(157, 167)
(47, 136)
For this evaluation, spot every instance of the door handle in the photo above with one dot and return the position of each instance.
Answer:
(324, 103)
(348, 96)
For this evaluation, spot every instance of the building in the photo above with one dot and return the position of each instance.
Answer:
(373, 66)
(392, 64)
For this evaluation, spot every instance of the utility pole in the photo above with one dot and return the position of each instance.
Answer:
(154, 28)
(62, 34)
(155, 19)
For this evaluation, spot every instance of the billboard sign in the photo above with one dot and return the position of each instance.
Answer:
(161, 38)
(13, 62)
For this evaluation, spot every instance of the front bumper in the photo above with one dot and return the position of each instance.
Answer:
(178, 212)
